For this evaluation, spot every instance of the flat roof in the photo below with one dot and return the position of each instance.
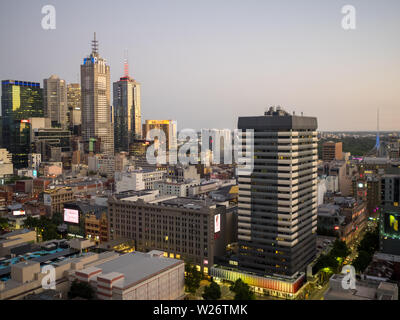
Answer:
(189, 203)
(136, 267)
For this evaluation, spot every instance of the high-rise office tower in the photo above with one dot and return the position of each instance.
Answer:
(20, 100)
(55, 101)
(74, 104)
(95, 97)
(168, 127)
(127, 114)
(389, 229)
(332, 151)
(277, 209)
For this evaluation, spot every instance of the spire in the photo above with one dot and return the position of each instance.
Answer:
(95, 44)
(378, 143)
(126, 64)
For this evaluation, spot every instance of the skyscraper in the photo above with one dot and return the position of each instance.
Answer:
(74, 104)
(168, 127)
(55, 101)
(277, 209)
(95, 97)
(20, 101)
(127, 114)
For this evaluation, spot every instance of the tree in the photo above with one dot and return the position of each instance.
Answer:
(242, 290)
(50, 233)
(44, 227)
(340, 249)
(326, 261)
(362, 261)
(31, 223)
(192, 278)
(81, 290)
(212, 292)
(3, 224)
(57, 218)
(370, 242)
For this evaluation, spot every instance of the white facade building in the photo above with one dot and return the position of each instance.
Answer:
(181, 189)
(6, 166)
(137, 180)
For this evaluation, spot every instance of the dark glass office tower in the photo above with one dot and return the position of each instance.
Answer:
(21, 100)
(127, 114)
(277, 210)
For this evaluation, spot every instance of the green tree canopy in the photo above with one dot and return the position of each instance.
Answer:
(326, 261)
(212, 292)
(242, 290)
(340, 249)
(3, 224)
(192, 278)
(370, 242)
(44, 227)
(362, 261)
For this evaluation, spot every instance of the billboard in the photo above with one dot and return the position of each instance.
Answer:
(71, 215)
(391, 223)
(47, 199)
(217, 223)
(18, 213)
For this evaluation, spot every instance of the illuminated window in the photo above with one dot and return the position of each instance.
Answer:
(171, 255)
(166, 254)
(178, 256)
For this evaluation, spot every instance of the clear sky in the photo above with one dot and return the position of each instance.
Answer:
(204, 63)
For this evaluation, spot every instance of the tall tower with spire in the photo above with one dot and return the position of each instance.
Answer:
(378, 139)
(127, 110)
(95, 96)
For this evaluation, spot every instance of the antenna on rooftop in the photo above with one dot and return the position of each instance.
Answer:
(126, 64)
(95, 44)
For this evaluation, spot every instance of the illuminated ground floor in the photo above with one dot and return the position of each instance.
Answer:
(280, 287)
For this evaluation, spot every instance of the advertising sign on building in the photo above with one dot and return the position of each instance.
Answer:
(217, 223)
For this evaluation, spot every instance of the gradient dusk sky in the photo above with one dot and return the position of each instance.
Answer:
(204, 63)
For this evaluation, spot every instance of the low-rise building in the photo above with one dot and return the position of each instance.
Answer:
(6, 166)
(14, 239)
(54, 199)
(364, 290)
(330, 219)
(136, 276)
(179, 189)
(137, 180)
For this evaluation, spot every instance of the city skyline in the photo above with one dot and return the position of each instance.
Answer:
(239, 58)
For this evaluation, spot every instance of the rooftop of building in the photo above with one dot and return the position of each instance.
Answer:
(189, 203)
(15, 233)
(87, 207)
(328, 208)
(348, 202)
(176, 183)
(277, 118)
(365, 290)
(136, 267)
(380, 269)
